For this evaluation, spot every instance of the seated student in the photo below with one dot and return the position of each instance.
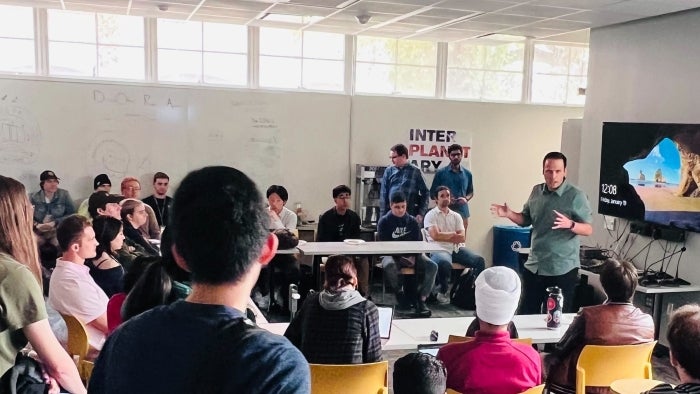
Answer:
(131, 188)
(287, 265)
(101, 183)
(72, 290)
(337, 325)
(340, 223)
(134, 215)
(398, 225)
(684, 342)
(419, 373)
(616, 322)
(446, 227)
(105, 267)
(492, 362)
(51, 206)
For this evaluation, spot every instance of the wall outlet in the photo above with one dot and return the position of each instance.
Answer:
(610, 223)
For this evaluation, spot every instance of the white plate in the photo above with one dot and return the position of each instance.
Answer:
(354, 241)
(301, 242)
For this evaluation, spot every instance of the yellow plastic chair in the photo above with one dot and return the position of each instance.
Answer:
(459, 338)
(77, 345)
(534, 390)
(601, 365)
(368, 378)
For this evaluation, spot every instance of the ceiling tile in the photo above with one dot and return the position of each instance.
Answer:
(480, 26)
(513, 20)
(425, 20)
(287, 9)
(534, 32)
(580, 4)
(538, 11)
(476, 5)
(562, 24)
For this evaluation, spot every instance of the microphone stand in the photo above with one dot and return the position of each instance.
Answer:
(675, 281)
(648, 279)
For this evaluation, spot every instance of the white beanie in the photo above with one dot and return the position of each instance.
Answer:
(497, 295)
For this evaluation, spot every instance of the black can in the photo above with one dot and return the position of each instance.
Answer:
(555, 304)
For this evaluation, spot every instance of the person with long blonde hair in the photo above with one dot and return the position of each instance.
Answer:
(24, 318)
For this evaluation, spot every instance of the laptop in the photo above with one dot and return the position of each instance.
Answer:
(386, 316)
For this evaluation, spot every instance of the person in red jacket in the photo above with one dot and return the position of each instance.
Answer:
(492, 362)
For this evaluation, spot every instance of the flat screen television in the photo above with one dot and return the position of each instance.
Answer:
(651, 172)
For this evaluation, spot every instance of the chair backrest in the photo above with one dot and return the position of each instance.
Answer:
(450, 391)
(459, 338)
(77, 344)
(602, 365)
(351, 378)
(534, 390)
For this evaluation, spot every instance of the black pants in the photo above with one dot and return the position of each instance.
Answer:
(535, 291)
(284, 266)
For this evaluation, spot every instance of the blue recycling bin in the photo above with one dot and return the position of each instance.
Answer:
(506, 241)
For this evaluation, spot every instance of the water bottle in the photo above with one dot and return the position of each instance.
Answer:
(555, 304)
(293, 300)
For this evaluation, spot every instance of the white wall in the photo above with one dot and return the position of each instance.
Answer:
(508, 143)
(645, 71)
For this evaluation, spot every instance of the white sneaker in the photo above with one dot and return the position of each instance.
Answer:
(443, 298)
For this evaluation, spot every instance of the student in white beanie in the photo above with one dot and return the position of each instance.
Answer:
(492, 362)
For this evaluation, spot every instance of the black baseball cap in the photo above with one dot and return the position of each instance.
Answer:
(100, 200)
(48, 174)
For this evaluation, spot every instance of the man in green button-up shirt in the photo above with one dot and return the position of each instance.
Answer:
(558, 212)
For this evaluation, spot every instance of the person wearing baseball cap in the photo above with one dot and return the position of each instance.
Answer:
(100, 183)
(51, 205)
(493, 362)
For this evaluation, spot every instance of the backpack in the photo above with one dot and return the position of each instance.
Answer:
(462, 293)
(25, 377)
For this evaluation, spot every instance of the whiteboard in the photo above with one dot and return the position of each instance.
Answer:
(80, 129)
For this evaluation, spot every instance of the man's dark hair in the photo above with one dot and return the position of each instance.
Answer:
(684, 338)
(219, 224)
(400, 150)
(398, 197)
(340, 189)
(455, 147)
(70, 230)
(160, 175)
(619, 280)
(441, 188)
(554, 156)
(419, 373)
(279, 190)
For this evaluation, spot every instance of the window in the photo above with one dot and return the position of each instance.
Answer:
(294, 59)
(202, 52)
(390, 66)
(558, 73)
(485, 70)
(17, 39)
(96, 45)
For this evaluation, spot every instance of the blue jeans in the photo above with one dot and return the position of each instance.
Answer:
(444, 262)
(426, 270)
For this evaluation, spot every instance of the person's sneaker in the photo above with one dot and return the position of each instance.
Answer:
(442, 298)
(422, 309)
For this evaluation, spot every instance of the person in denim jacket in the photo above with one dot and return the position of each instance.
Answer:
(51, 205)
